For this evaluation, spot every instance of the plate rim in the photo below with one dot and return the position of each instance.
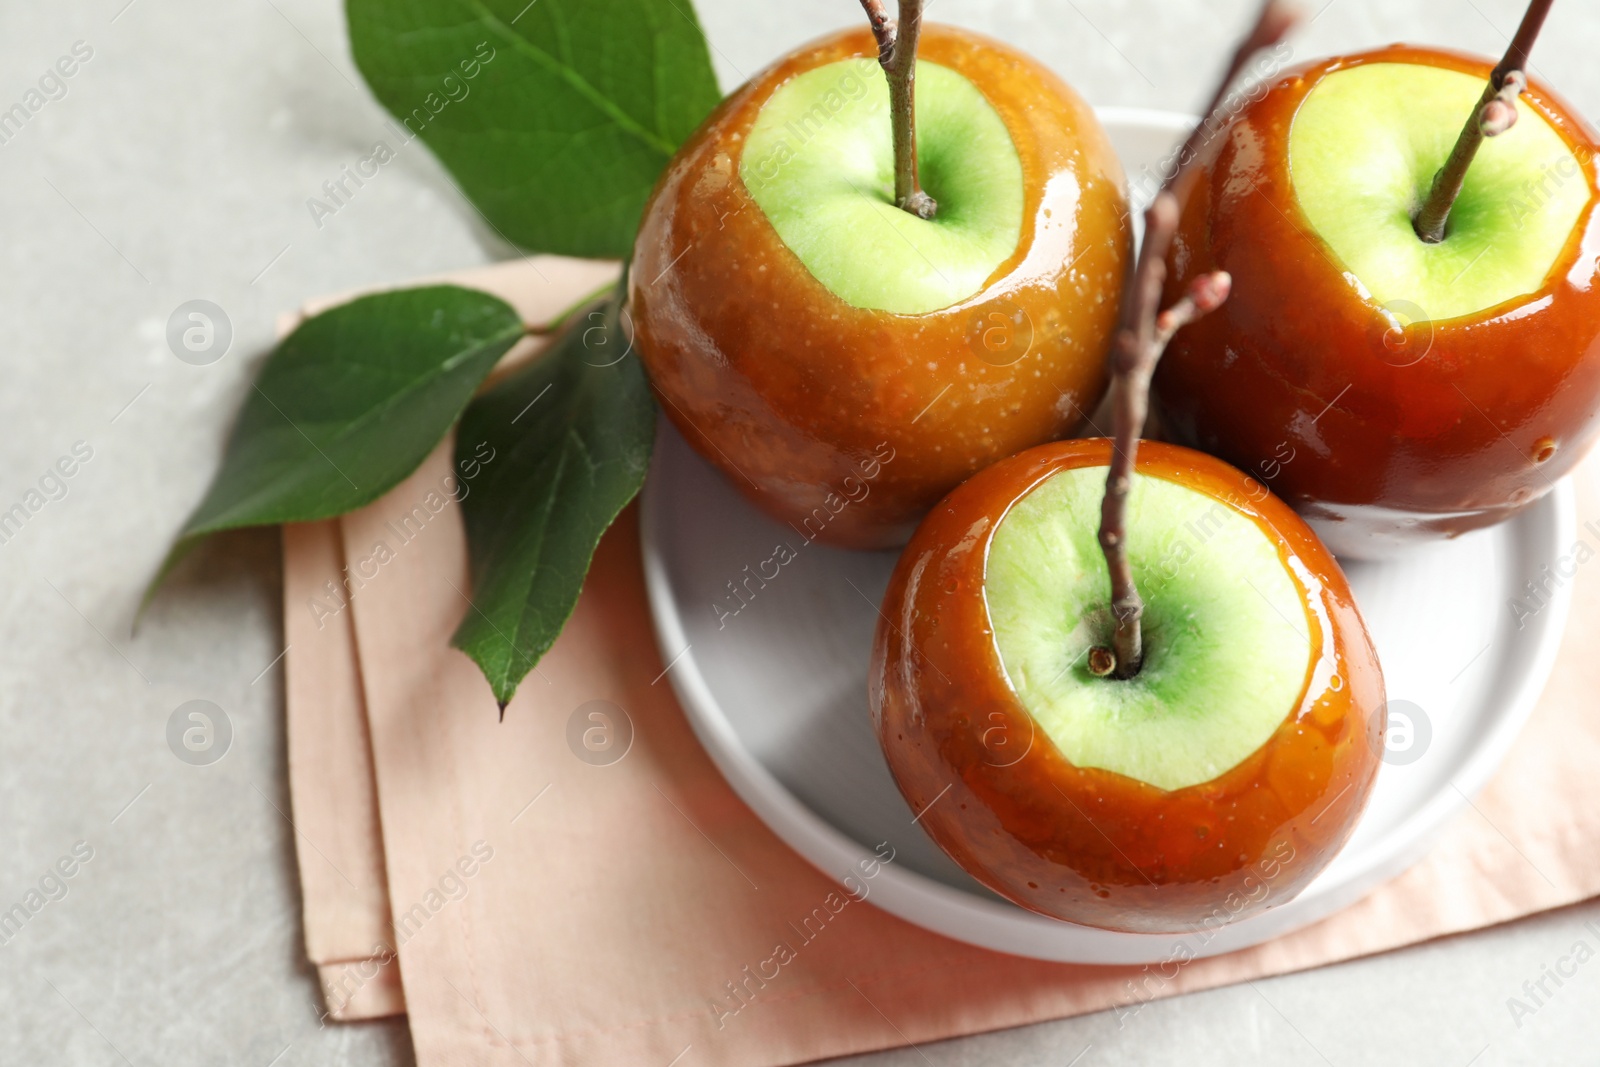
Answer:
(1004, 927)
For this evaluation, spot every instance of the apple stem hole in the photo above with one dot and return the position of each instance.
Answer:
(1494, 114)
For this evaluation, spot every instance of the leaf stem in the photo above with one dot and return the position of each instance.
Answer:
(1494, 113)
(897, 55)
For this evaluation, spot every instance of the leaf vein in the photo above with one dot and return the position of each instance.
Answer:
(578, 82)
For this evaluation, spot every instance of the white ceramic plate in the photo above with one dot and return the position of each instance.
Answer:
(776, 688)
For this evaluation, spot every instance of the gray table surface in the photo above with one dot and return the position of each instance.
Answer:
(177, 166)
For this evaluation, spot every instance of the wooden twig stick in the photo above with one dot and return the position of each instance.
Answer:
(897, 55)
(1138, 348)
(1140, 340)
(1495, 113)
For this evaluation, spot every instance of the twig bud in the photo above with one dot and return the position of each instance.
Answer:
(1500, 114)
(1209, 291)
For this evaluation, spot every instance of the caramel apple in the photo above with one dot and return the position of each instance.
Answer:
(1391, 385)
(847, 355)
(1216, 781)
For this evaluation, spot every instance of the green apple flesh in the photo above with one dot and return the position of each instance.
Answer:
(1226, 639)
(819, 162)
(1363, 150)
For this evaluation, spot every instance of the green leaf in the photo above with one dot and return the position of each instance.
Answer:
(571, 435)
(349, 404)
(556, 116)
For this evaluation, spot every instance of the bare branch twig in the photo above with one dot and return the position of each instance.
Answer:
(1494, 114)
(1140, 340)
(897, 55)
(1138, 348)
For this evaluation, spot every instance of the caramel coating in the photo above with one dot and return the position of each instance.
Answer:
(1379, 439)
(850, 423)
(1091, 846)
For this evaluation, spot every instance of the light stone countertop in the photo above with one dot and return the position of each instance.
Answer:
(176, 167)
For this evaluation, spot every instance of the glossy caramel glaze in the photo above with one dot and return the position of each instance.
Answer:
(1379, 439)
(1092, 846)
(849, 423)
